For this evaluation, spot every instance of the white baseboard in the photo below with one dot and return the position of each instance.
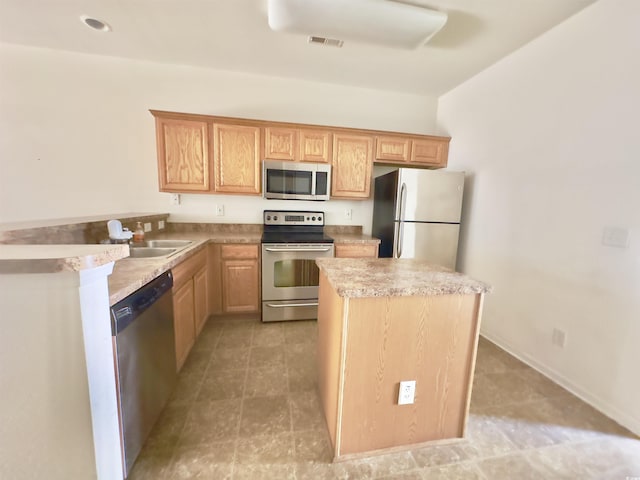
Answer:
(611, 411)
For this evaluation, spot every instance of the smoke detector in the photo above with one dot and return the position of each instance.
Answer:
(383, 22)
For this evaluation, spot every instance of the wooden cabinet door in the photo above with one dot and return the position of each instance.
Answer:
(430, 152)
(200, 299)
(240, 278)
(315, 146)
(394, 149)
(183, 322)
(281, 143)
(356, 250)
(352, 162)
(236, 159)
(183, 158)
(215, 279)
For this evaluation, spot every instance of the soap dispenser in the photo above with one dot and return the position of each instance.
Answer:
(138, 234)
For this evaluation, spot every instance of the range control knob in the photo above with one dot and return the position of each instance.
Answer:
(268, 217)
(319, 218)
(313, 218)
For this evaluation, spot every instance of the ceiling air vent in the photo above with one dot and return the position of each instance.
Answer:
(327, 42)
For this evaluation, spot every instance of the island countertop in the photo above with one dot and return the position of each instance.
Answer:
(390, 277)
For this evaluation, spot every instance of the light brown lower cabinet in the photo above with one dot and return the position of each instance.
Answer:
(356, 250)
(367, 345)
(190, 303)
(235, 278)
(200, 297)
(184, 322)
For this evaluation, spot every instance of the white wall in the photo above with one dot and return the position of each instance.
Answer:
(550, 138)
(76, 137)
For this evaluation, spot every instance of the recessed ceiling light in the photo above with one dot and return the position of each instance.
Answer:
(95, 24)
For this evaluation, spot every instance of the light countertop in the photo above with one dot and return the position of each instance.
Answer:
(57, 258)
(390, 277)
(129, 274)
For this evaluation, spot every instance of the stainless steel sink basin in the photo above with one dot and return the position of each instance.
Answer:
(168, 243)
(150, 252)
(157, 248)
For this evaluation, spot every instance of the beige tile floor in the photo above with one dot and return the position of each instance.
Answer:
(246, 407)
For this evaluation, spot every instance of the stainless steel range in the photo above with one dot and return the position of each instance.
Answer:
(291, 242)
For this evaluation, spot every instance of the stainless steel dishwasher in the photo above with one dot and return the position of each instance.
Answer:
(142, 327)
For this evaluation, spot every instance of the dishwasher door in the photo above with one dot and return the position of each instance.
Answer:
(142, 325)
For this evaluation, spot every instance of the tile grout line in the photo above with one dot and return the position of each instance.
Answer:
(234, 463)
(285, 347)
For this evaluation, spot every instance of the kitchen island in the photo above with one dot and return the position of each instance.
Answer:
(383, 321)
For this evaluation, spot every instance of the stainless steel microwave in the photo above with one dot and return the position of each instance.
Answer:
(296, 180)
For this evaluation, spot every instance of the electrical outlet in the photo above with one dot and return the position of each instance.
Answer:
(147, 227)
(175, 199)
(347, 214)
(407, 392)
(220, 210)
(161, 225)
(559, 337)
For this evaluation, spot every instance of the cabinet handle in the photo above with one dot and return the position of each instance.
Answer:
(283, 305)
(297, 249)
(399, 238)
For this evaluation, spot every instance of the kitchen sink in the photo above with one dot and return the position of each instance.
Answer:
(150, 252)
(157, 248)
(168, 243)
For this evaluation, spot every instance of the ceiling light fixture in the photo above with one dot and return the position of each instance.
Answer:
(383, 22)
(95, 24)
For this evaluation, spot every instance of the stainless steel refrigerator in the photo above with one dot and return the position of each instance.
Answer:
(416, 214)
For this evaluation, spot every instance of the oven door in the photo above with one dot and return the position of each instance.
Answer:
(290, 280)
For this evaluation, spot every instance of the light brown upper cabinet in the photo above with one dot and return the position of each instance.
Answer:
(183, 158)
(281, 143)
(420, 151)
(315, 145)
(394, 149)
(295, 144)
(207, 154)
(236, 159)
(352, 164)
(430, 152)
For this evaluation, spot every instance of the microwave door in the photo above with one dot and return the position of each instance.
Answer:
(282, 183)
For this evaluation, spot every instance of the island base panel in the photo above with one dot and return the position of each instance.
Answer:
(366, 346)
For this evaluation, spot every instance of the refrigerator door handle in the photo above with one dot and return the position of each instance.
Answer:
(403, 198)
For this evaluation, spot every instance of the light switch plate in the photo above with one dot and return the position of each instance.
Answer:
(615, 237)
(147, 227)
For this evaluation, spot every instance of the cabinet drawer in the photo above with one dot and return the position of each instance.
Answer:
(239, 251)
(187, 269)
(354, 250)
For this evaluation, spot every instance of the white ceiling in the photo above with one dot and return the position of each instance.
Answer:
(234, 35)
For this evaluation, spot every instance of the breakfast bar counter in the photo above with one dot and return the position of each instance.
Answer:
(383, 321)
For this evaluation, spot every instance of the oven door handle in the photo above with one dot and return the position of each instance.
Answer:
(270, 249)
(281, 305)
